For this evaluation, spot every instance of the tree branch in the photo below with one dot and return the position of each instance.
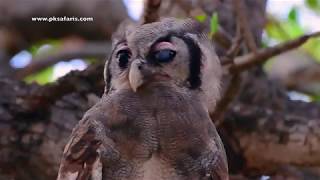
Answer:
(222, 38)
(76, 81)
(89, 50)
(228, 96)
(233, 86)
(234, 49)
(151, 11)
(242, 22)
(244, 62)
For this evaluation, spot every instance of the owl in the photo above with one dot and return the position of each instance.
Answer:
(152, 123)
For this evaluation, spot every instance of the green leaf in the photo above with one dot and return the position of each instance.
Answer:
(201, 17)
(293, 15)
(293, 29)
(312, 47)
(313, 4)
(283, 30)
(213, 24)
(42, 77)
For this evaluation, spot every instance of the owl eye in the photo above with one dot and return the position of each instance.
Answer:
(123, 58)
(164, 56)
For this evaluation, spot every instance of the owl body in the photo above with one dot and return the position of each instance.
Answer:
(153, 121)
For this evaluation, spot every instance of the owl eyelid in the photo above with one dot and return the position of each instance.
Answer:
(122, 51)
(163, 45)
(163, 49)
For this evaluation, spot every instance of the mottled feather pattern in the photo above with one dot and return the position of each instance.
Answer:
(162, 129)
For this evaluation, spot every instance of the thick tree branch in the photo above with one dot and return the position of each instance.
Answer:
(88, 50)
(77, 81)
(17, 18)
(269, 139)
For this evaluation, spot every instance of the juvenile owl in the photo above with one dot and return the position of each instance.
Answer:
(152, 122)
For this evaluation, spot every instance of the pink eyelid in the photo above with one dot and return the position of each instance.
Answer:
(164, 45)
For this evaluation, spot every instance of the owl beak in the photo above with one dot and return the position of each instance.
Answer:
(137, 74)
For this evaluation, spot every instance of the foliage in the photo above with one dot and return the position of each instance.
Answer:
(283, 30)
(280, 30)
(42, 77)
(201, 17)
(213, 24)
(34, 49)
(313, 5)
(38, 49)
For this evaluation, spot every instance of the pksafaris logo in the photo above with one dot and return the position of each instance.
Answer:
(62, 19)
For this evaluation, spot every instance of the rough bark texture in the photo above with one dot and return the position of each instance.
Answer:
(36, 122)
(264, 132)
(267, 132)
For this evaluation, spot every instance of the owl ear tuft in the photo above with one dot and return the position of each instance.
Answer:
(124, 28)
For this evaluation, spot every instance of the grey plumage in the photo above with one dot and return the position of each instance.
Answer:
(153, 120)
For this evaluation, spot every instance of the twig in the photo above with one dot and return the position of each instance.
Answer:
(249, 60)
(227, 97)
(97, 50)
(222, 38)
(234, 49)
(242, 21)
(232, 87)
(151, 11)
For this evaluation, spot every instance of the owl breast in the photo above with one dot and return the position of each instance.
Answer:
(162, 134)
(157, 169)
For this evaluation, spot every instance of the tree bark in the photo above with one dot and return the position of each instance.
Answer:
(36, 121)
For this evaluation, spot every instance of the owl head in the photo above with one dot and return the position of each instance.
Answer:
(173, 52)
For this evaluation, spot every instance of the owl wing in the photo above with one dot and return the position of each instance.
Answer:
(81, 158)
(219, 169)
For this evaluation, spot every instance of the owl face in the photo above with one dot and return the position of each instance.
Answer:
(172, 52)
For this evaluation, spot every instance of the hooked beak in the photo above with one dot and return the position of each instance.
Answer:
(138, 74)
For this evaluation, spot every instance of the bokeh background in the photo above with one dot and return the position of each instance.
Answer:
(287, 19)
